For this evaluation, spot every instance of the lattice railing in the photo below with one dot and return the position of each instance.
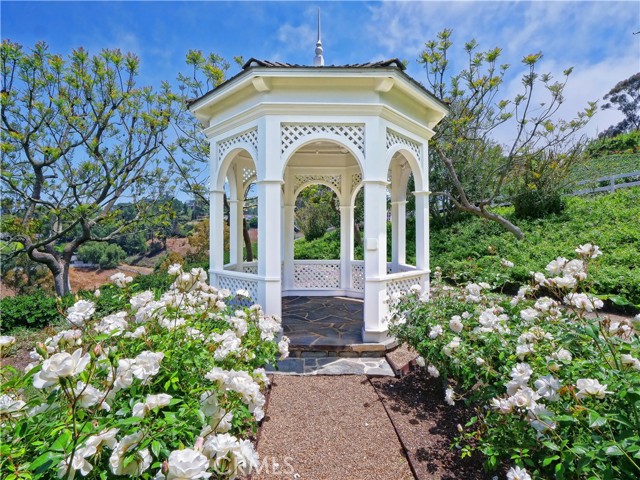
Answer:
(357, 275)
(316, 274)
(352, 134)
(236, 281)
(402, 282)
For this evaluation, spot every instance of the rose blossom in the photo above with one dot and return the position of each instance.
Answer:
(448, 396)
(146, 365)
(6, 341)
(590, 387)
(517, 473)
(435, 331)
(120, 279)
(456, 324)
(187, 463)
(433, 371)
(420, 361)
(547, 387)
(60, 365)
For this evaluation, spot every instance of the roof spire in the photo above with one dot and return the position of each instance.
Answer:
(318, 60)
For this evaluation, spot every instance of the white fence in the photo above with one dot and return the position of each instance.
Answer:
(610, 183)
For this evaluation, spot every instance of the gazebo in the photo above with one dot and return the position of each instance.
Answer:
(284, 127)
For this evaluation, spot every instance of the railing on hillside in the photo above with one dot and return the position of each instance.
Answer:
(609, 183)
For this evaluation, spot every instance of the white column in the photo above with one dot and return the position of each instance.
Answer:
(422, 230)
(346, 245)
(236, 240)
(398, 231)
(375, 260)
(269, 248)
(289, 239)
(216, 233)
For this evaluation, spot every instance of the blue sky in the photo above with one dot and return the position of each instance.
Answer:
(596, 38)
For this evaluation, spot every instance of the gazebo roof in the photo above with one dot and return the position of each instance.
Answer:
(254, 65)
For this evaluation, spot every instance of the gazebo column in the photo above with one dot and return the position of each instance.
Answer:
(216, 233)
(375, 260)
(422, 230)
(236, 240)
(398, 230)
(288, 250)
(269, 248)
(346, 245)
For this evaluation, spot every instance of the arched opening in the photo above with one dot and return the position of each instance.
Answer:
(401, 213)
(321, 177)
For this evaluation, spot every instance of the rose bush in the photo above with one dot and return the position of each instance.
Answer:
(554, 384)
(171, 387)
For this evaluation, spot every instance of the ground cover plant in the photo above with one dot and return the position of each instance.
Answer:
(554, 384)
(472, 250)
(169, 387)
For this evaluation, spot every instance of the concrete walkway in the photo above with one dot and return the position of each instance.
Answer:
(328, 427)
(372, 366)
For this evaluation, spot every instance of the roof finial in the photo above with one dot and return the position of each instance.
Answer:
(318, 60)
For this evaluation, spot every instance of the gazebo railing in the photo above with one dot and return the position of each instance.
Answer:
(403, 281)
(322, 275)
(234, 281)
(316, 274)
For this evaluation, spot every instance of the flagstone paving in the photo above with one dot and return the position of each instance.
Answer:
(333, 366)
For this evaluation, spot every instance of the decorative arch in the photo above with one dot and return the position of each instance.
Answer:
(248, 140)
(331, 181)
(296, 135)
(413, 162)
(223, 167)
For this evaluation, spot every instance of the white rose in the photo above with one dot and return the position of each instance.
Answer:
(120, 279)
(80, 312)
(10, 405)
(547, 387)
(88, 395)
(529, 314)
(6, 340)
(456, 324)
(146, 365)
(590, 387)
(141, 461)
(60, 365)
(555, 266)
(420, 361)
(187, 464)
(506, 263)
(435, 331)
(433, 371)
(283, 347)
(517, 473)
(448, 396)
(630, 361)
(174, 269)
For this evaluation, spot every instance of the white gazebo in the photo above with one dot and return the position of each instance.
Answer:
(284, 127)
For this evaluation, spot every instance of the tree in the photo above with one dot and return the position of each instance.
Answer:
(78, 135)
(625, 96)
(469, 167)
(189, 154)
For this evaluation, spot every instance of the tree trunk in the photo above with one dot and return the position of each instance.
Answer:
(357, 236)
(61, 279)
(247, 240)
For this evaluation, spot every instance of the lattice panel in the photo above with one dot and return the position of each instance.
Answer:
(292, 132)
(250, 269)
(247, 174)
(316, 275)
(357, 276)
(233, 284)
(333, 180)
(394, 138)
(250, 137)
(355, 181)
(402, 285)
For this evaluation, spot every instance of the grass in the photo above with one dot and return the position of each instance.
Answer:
(606, 165)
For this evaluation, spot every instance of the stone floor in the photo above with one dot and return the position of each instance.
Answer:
(377, 367)
(322, 321)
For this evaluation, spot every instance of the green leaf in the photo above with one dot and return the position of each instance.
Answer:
(62, 442)
(547, 461)
(156, 446)
(45, 462)
(614, 451)
(595, 420)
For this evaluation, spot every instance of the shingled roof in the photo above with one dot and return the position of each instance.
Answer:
(391, 63)
(254, 62)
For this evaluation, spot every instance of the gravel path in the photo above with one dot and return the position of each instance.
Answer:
(328, 427)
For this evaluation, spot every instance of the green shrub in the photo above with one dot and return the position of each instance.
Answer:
(554, 384)
(106, 255)
(32, 311)
(623, 143)
(537, 204)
